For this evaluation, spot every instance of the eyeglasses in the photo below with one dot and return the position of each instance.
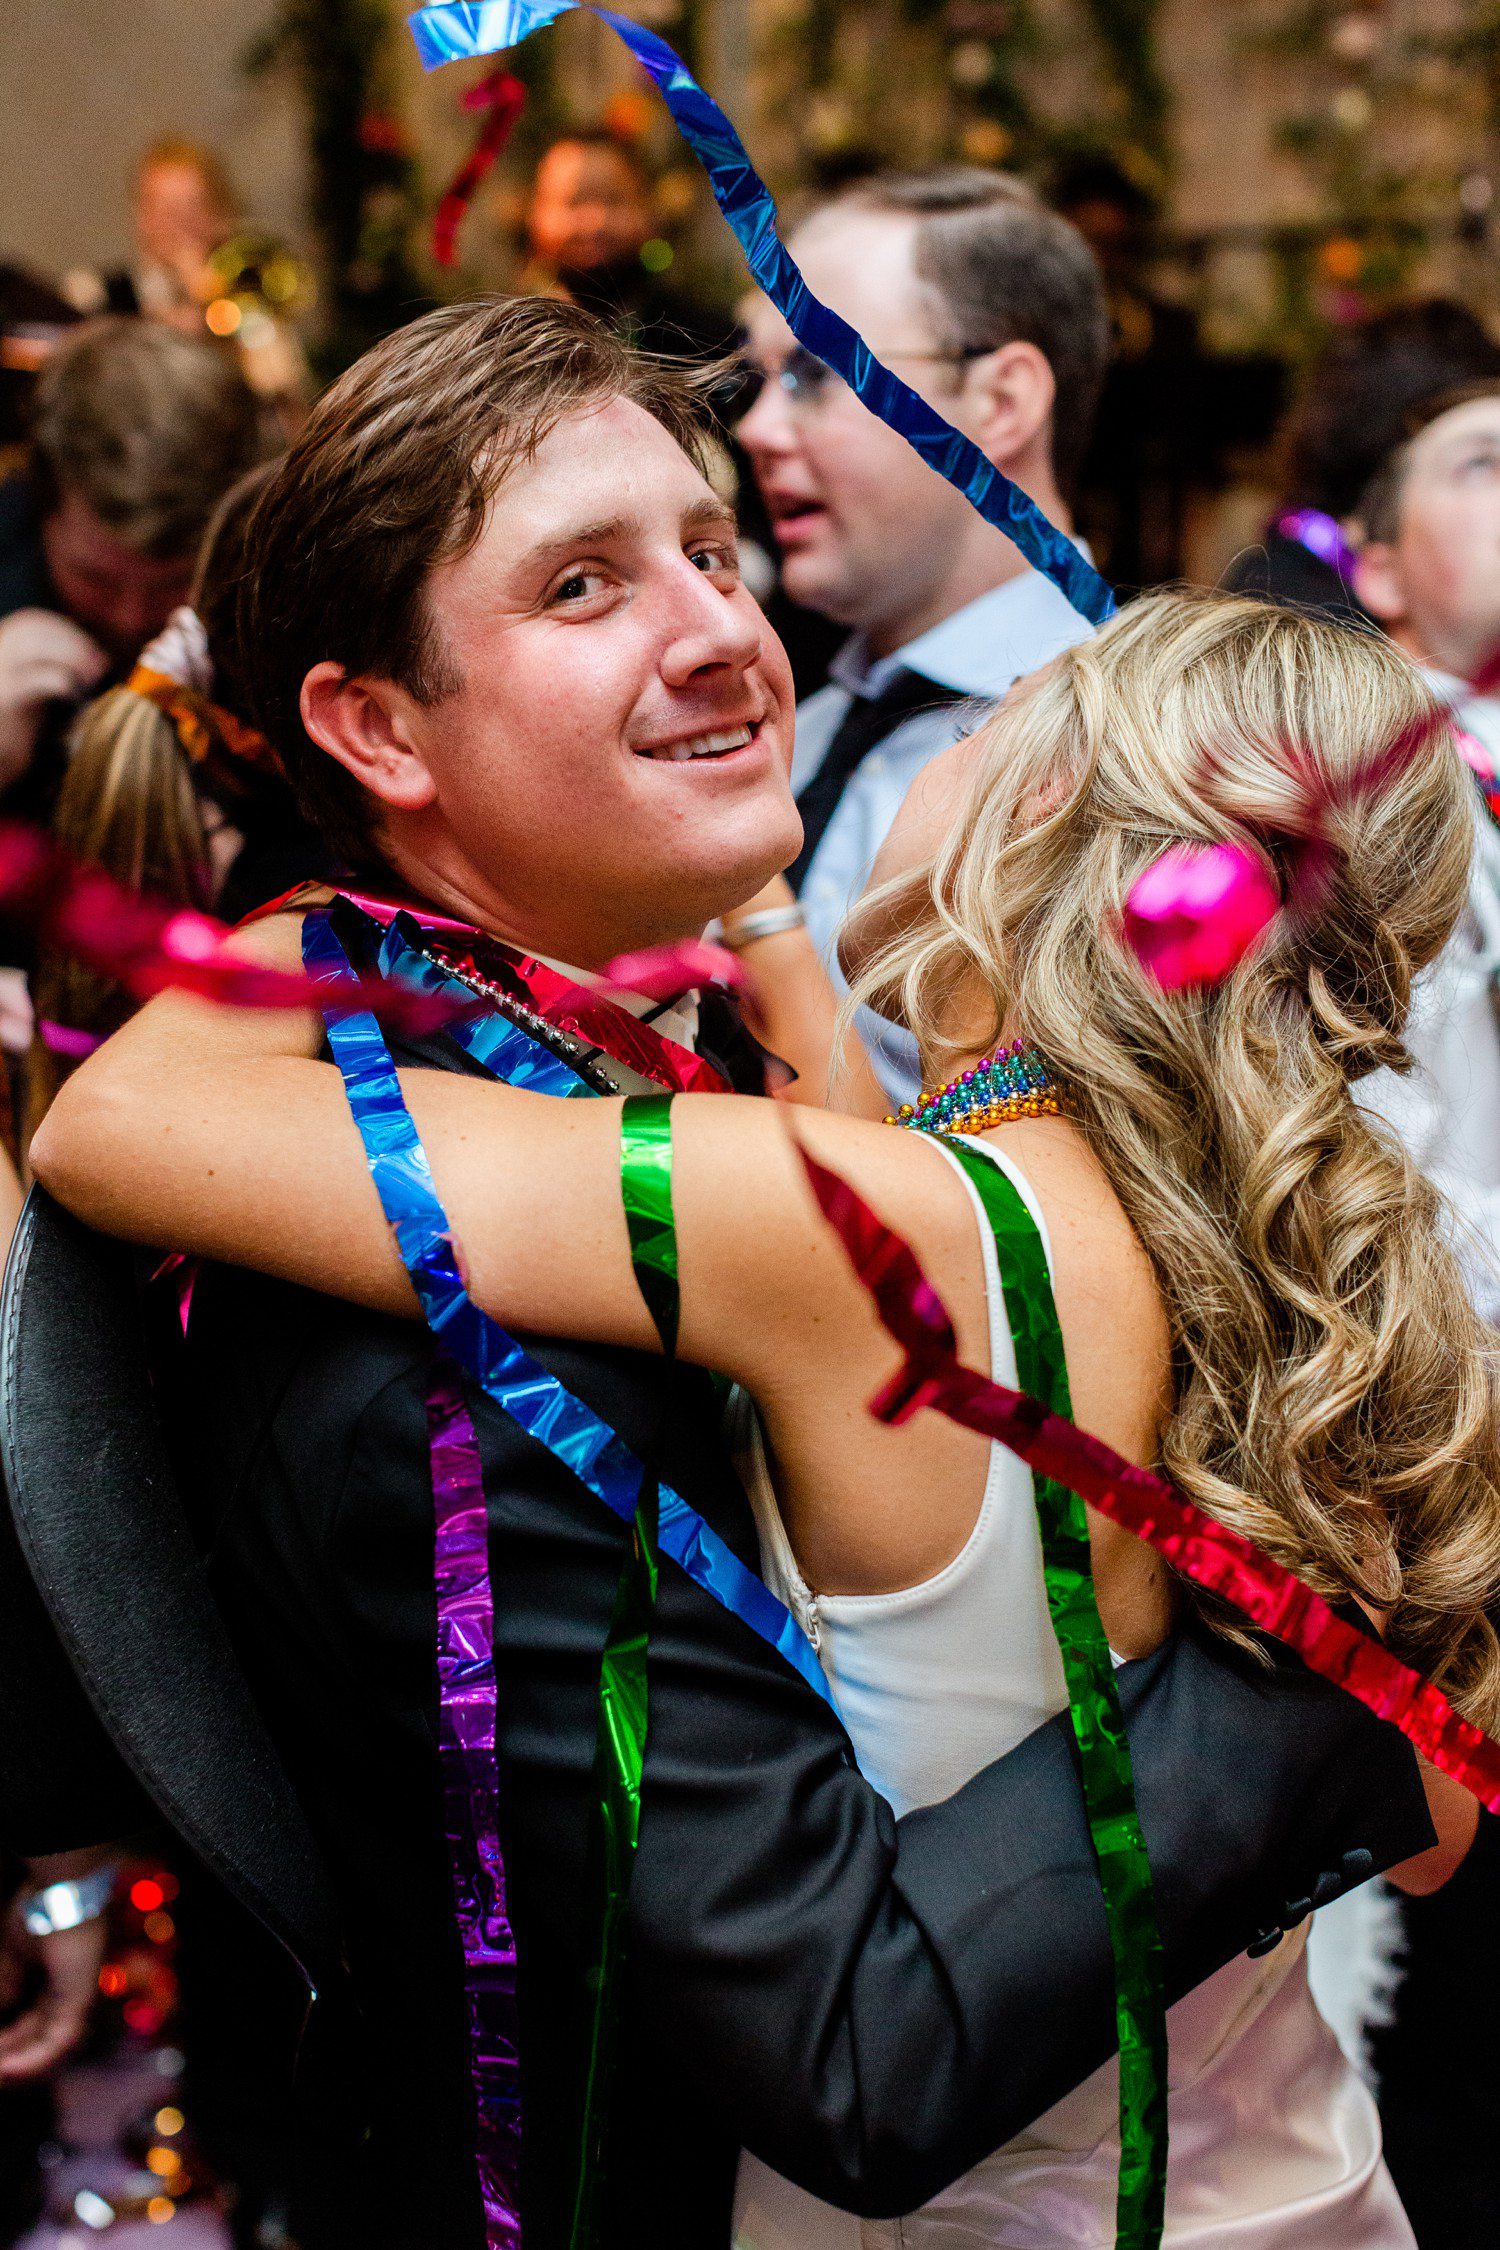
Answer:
(809, 383)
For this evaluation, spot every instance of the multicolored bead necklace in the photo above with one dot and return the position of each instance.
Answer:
(1013, 1082)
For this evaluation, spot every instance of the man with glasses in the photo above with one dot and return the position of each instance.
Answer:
(992, 307)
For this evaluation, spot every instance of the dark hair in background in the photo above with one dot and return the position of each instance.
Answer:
(391, 478)
(149, 427)
(1359, 396)
(1379, 508)
(1004, 270)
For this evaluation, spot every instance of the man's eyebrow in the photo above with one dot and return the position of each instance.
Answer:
(710, 510)
(577, 535)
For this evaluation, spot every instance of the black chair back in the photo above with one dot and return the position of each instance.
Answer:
(107, 1542)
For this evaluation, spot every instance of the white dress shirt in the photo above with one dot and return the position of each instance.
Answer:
(1447, 1111)
(980, 651)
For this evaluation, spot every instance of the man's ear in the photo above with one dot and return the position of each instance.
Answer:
(363, 723)
(1016, 391)
(1379, 585)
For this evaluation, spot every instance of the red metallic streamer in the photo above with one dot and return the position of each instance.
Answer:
(1220, 1560)
(503, 95)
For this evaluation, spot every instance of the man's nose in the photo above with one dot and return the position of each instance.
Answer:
(769, 426)
(712, 629)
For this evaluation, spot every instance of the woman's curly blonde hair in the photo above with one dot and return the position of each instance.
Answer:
(1334, 1392)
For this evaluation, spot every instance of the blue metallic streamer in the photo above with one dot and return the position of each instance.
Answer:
(495, 1043)
(452, 30)
(533, 1397)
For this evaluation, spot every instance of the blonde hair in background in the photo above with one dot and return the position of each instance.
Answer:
(1334, 1393)
(128, 805)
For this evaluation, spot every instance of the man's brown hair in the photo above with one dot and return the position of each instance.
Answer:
(148, 427)
(392, 477)
(1003, 269)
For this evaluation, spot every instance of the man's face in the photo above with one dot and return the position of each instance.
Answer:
(588, 208)
(865, 529)
(1436, 585)
(179, 221)
(613, 769)
(120, 596)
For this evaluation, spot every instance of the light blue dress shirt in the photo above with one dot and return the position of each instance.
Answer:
(1446, 1113)
(980, 651)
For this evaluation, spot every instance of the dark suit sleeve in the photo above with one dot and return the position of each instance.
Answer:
(880, 2004)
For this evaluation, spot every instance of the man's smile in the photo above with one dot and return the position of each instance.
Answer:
(715, 744)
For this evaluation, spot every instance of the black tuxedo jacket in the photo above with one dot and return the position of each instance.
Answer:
(870, 2005)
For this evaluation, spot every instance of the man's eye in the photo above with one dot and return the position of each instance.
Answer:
(577, 586)
(1482, 464)
(725, 556)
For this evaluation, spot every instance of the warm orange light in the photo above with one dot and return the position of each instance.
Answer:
(169, 2121)
(163, 2162)
(1341, 259)
(160, 2209)
(112, 1981)
(160, 1928)
(223, 316)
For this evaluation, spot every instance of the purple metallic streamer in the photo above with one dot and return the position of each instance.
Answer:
(471, 1788)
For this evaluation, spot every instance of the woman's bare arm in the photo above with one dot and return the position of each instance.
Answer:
(214, 1131)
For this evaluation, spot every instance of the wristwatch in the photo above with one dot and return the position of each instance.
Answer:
(67, 1906)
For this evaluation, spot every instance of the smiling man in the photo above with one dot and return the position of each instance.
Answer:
(497, 633)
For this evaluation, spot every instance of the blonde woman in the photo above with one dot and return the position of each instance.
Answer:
(1253, 1286)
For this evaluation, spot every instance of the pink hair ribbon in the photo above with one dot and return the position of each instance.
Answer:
(1207, 1553)
(504, 97)
(1200, 909)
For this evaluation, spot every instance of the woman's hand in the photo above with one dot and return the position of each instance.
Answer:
(36, 2042)
(792, 1007)
(1455, 1816)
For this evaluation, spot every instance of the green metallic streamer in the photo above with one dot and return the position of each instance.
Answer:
(619, 1760)
(624, 1705)
(1098, 1724)
(646, 1191)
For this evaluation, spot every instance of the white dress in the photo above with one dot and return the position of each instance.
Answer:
(1274, 2141)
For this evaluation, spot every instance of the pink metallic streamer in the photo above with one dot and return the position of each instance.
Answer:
(149, 946)
(666, 972)
(932, 1375)
(471, 1789)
